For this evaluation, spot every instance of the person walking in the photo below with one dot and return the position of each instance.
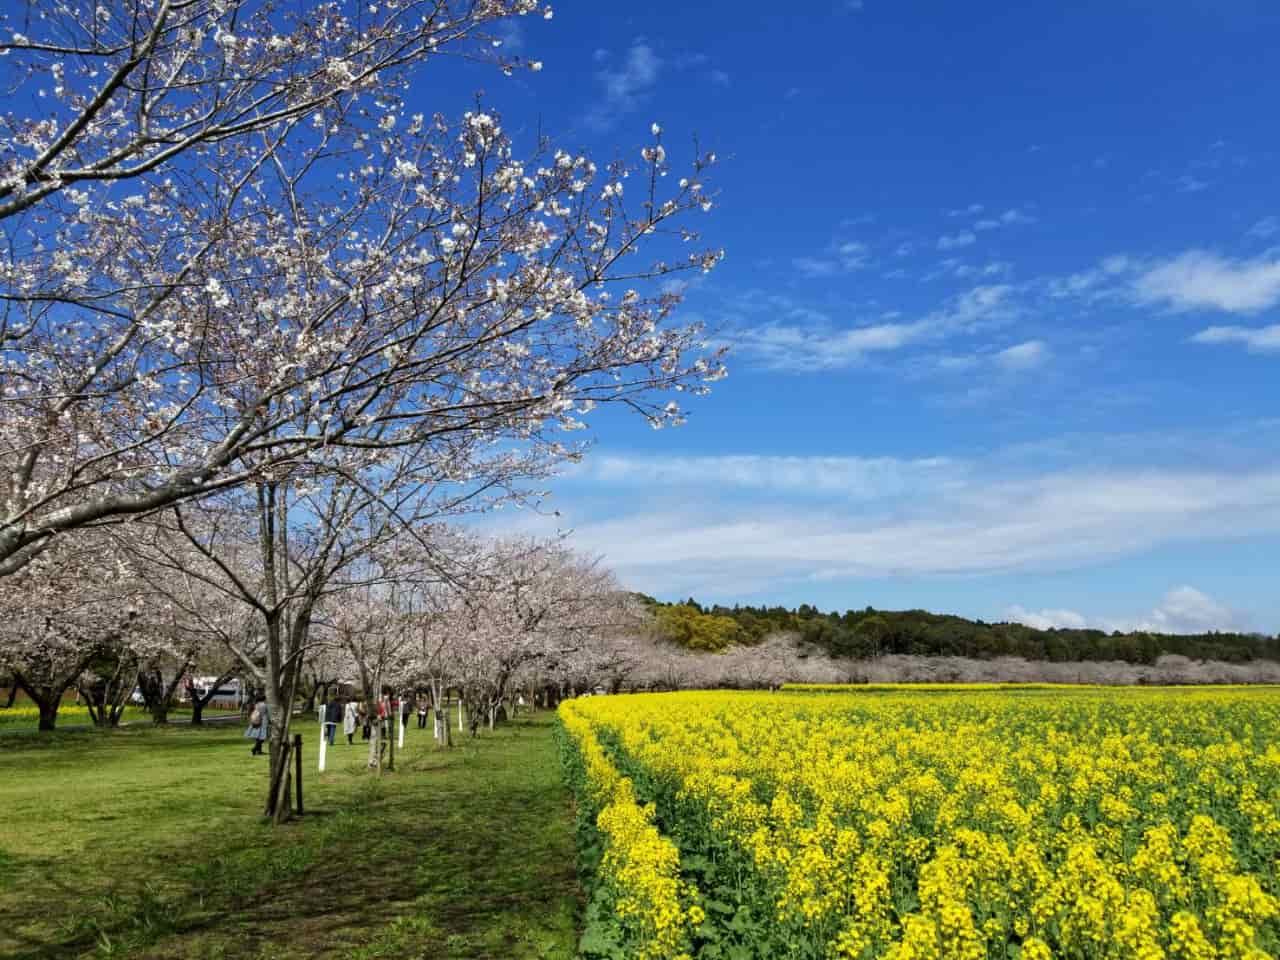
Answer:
(422, 713)
(332, 717)
(259, 724)
(406, 710)
(362, 712)
(349, 716)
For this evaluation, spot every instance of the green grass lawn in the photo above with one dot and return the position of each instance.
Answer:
(148, 843)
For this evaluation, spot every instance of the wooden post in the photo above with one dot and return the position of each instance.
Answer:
(297, 756)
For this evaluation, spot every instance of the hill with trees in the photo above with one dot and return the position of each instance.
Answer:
(869, 633)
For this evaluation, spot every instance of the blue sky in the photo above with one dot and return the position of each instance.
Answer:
(1003, 287)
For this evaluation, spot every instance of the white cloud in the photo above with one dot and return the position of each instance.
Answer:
(804, 349)
(1255, 339)
(957, 240)
(853, 478)
(1007, 219)
(853, 256)
(1023, 356)
(847, 256)
(1047, 619)
(820, 346)
(1183, 610)
(720, 78)
(625, 87)
(1187, 610)
(844, 257)
(723, 522)
(1264, 228)
(1201, 280)
(815, 267)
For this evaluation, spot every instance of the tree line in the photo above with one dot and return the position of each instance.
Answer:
(870, 633)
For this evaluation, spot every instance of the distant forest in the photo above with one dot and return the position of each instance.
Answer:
(867, 633)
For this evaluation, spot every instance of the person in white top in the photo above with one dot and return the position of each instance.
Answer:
(349, 721)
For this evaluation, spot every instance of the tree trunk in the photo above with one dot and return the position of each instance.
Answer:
(375, 744)
(48, 697)
(280, 782)
(116, 712)
(198, 703)
(280, 753)
(440, 713)
(444, 733)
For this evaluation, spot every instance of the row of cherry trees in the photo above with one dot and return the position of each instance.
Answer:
(270, 325)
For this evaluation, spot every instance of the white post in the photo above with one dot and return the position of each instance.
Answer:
(324, 742)
(400, 720)
(459, 712)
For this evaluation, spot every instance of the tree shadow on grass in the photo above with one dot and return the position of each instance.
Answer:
(457, 855)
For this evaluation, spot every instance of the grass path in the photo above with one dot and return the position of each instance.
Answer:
(147, 843)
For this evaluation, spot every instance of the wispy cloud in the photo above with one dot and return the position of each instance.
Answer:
(1189, 184)
(842, 258)
(956, 241)
(1182, 610)
(1023, 356)
(625, 87)
(818, 345)
(815, 267)
(960, 519)
(853, 478)
(1194, 280)
(720, 78)
(811, 349)
(1201, 280)
(1009, 218)
(1255, 339)
(1265, 228)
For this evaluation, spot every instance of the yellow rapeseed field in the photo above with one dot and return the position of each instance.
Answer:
(909, 823)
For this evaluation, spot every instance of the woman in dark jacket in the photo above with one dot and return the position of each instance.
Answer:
(332, 717)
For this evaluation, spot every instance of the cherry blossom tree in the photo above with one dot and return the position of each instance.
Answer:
(134, 87)
(78, 602)
(231, 246)
(372, 626)
(293, 551)
(525, 609)
(203, 624)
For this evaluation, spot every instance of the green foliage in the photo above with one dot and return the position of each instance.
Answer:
(860, 634)
(687, 626)
(739, 922)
